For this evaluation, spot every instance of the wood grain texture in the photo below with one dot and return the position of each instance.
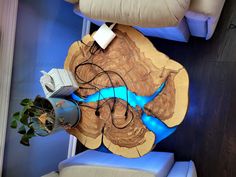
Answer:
(144, 69)
(208, 134)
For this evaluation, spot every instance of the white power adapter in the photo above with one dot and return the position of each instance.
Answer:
(58, 82)
(104, 35)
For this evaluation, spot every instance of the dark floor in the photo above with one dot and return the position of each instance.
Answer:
(208, 133)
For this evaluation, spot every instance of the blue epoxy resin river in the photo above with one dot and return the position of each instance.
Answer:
(152, 123)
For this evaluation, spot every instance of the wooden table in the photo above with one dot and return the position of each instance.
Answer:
(144, 69)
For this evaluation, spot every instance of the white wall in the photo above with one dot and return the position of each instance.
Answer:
(45, 30)
(8, 14)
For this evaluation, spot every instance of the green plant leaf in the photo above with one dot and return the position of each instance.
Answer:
(16, 116)
(27, 102)
(38, 113)
(13, 124)
(25, 110)
(31, 113)
(30, 132)
(22, 130)
(25, 140)
(24, 119)
(41, 132)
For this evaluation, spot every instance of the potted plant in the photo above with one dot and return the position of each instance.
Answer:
(41, 117)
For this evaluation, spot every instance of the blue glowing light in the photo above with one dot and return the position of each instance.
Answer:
(120, 92)
(158, 127)
(152, 123)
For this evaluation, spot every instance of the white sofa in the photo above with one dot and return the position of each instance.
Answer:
(93, 163)
(169, 19)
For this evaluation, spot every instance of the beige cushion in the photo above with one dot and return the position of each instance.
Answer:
(207, 7)
(52, 174)
(145, 13)
(96, 171)
(204, 15)
(93, 162)
(180, 169)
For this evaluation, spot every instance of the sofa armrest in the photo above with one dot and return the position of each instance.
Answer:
(209, 7)
(102, 171)
(157, 163)
(181, 169)
(144, 13)
(52, 174)
(206, 14)
(192, 170)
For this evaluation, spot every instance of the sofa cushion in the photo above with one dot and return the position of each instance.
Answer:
(203, 16)
(180, 169)
(98, 171)
(145, 13)
(209, 7)
(176, 33)
(192, 170)
(155, 163)
(52, 174)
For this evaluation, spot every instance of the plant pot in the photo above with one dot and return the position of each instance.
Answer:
(66, 112)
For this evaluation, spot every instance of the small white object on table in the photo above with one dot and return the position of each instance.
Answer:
(58, 83)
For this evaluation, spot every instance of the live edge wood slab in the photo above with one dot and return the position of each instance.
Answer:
(144, 69)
